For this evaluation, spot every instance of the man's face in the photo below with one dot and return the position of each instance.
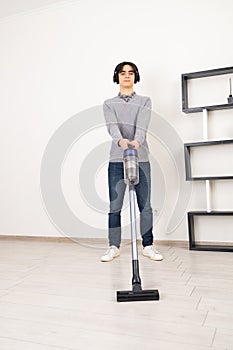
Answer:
(126, 77)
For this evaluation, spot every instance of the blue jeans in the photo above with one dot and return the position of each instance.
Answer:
(116, 194)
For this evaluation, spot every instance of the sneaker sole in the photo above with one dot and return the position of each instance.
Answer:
(155, 259)
(108, 260)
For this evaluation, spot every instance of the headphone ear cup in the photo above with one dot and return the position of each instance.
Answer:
(115, 77)
(137, 78)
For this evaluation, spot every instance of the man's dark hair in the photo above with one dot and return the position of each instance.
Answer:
(119, 69)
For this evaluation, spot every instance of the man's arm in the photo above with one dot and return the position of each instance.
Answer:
(143, 120)
(113, 128)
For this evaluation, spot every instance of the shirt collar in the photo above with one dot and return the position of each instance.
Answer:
(127, 98)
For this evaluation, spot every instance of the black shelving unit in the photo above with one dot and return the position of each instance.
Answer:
(193, 245)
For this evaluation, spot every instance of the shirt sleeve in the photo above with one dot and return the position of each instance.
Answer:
(112, 123)
(143, 120)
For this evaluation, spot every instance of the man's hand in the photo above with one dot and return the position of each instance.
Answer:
(124, 143)
(135, 144)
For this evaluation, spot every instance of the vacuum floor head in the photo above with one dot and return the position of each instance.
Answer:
(142, 295)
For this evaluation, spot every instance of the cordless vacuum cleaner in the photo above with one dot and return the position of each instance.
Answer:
(131, 172)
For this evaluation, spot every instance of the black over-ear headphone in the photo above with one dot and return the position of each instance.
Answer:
(120, 66)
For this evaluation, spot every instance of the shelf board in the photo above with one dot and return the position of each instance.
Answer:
(204, 178)
(208, 73)
(208, 143)
(219, 248)
(212, 212)
(209, 108)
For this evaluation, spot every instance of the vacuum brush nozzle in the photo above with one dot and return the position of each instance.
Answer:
(143, 295)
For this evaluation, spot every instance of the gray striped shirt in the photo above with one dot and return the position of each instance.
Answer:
(128, 117)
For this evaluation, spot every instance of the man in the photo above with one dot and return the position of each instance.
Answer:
(127, 117)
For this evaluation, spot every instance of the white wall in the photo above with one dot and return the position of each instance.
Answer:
(58, 61)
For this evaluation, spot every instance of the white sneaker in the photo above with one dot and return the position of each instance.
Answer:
(110, 254)
(152, 253)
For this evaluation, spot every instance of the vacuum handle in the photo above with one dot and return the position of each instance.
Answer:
(130, 146)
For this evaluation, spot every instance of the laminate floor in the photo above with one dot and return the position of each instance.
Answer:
(59, 296)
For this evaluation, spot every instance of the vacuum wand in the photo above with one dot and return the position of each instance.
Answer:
(131, 175)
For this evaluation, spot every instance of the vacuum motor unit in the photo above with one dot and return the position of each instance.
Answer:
(131, 170)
